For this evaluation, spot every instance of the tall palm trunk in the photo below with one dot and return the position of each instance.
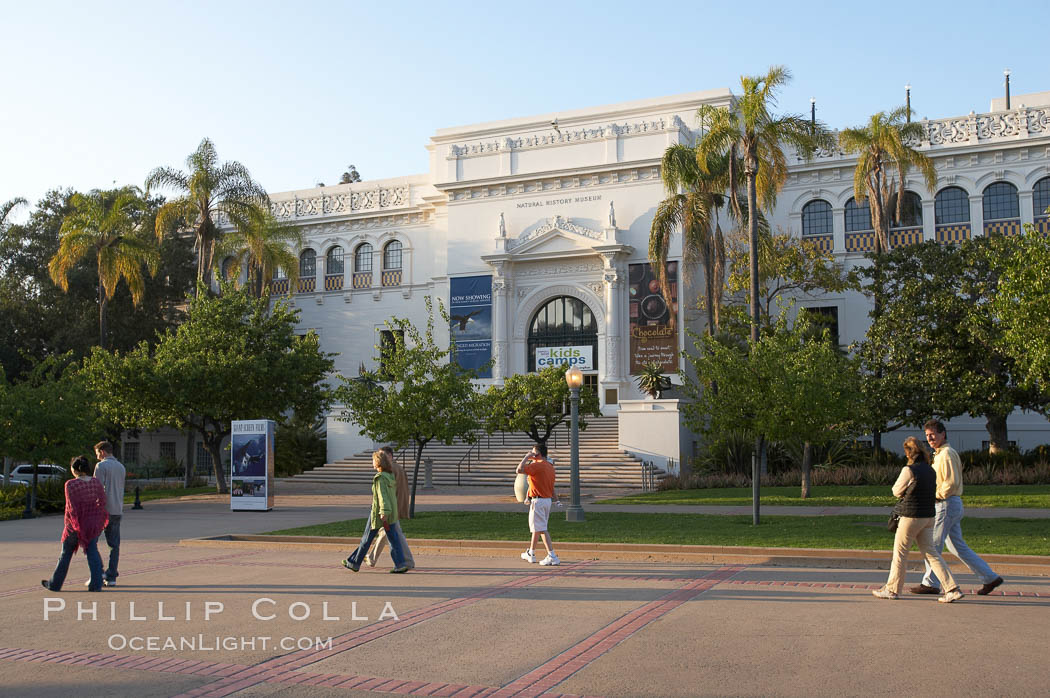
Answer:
(750, 172)
(103, 329)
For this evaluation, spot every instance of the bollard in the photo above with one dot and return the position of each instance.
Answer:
(138, 502)
(28, 513)
(428, 474)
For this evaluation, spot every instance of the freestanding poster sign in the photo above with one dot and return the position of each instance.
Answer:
(251, 465)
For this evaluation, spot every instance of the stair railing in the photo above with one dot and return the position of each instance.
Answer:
(466, 457)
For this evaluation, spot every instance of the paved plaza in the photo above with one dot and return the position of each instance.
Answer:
(252, 620)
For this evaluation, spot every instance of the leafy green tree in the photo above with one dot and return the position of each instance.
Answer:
(208, 192)
(750, 132)
(106, 226)
(232, 358)
(793, 386)
(417, 394)
(1022, 307)
(47, 417)
(7, 207)
(535, 404)
(694, 197)
(937, 348)
(351, 175)
(260, 245)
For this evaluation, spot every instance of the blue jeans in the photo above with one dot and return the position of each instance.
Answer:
(947, 528)
(94, 560)
(394, 535)
(112, 532)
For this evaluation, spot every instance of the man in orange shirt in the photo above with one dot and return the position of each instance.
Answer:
(541, 489)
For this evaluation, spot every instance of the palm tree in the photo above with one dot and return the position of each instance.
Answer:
(106, 224)
(694, 196)
(209, 191)
(261, 244)
(750, 132)
(884, 161)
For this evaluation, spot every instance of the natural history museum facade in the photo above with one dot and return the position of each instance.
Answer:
(534, 233)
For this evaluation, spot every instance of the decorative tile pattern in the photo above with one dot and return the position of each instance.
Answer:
(824, 243)
(1042, 224)
(861, 241)
(905, 236)
(279, 286)
(953, 233)
(362, 279)
(307, 285)
(1007, 227)
(333, 282)
(391, 277)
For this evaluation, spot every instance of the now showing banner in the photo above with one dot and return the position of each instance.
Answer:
(580, 357)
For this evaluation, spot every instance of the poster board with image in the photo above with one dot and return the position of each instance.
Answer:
(251, 465)
(652, 319)
(470, 322)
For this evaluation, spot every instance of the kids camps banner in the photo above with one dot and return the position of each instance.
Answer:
(654, 337)
(470, 319)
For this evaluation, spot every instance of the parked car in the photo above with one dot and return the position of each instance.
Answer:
(45, 471)
(10, 481)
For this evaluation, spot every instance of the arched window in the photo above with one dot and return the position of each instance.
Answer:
(307, 264)
(816, 218)
(1000, 201)
(228, 270)
(1041, 197)
(279, 274)
(392, 255)
(858, 216)
(911, 211)
(564, 322)
(334, 261)
(363, 257)
(951, 205)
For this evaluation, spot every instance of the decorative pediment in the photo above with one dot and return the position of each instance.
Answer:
(558, 232)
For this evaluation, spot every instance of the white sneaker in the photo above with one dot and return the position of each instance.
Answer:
(949, 596)
(551, 559)
(527, 556)
(884, 593)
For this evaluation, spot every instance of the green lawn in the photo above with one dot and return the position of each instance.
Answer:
(1006, 536)
(1012, 496)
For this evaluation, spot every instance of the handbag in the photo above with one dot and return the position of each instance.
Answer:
(895, 513)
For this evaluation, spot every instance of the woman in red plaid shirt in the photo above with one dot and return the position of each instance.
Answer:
(85, 519)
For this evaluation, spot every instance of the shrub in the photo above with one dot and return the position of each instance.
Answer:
(298, 446)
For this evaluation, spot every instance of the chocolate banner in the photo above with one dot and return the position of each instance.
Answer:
(653, 335)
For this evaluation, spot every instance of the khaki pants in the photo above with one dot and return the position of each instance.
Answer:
(918, 531)
(377, 548)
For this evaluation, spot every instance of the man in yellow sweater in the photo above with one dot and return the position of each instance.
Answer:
(947, 524)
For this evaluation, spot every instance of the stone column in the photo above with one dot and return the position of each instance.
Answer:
(500, 344)
(976, 215)
(613, 281)
(929, 219)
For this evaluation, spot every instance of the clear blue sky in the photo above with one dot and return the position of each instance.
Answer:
(102, 92)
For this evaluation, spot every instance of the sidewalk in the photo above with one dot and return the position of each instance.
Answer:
(479, 622)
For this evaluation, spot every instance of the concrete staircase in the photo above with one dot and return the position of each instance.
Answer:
(491, 462)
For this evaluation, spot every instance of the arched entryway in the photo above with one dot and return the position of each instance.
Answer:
(564, 321)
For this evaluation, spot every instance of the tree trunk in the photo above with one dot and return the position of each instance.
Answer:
(807, 460)
(415, 478)
(211, 445)
(752, 236)
(998, 436)
(876, 446)
(187, 466)
(103, 330)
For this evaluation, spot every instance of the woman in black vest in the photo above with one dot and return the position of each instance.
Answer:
(916, 524)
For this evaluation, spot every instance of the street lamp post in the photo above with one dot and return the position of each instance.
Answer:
(574, 377)
(907, 100)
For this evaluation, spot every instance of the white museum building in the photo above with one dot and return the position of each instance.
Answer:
(534, 233)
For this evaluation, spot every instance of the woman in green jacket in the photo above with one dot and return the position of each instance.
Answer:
(384, 515)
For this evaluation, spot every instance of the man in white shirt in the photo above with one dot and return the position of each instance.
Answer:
(110, 472)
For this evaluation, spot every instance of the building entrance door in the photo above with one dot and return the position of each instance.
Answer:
(564, 321)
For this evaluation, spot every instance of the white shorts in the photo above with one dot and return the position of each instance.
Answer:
(539, 511)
